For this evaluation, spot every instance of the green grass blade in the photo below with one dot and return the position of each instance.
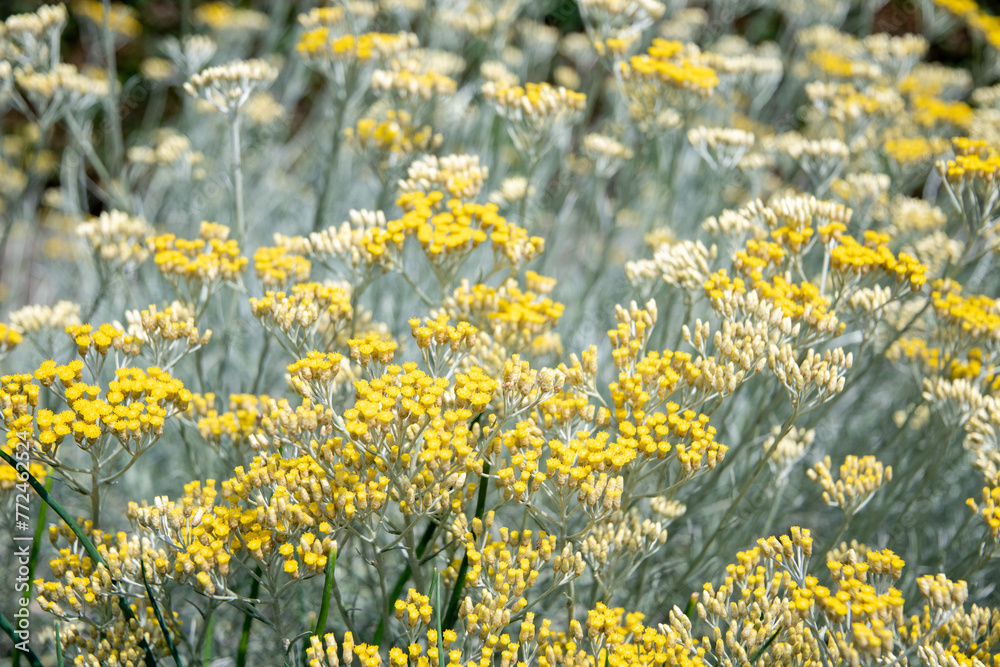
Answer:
(9, 630)
(763, 648)
(36, 544)
(159, 616)
(691, 606)
(241, 656)
(456, 594)
(397, 590)
(206, 650)
(59, 655)
(88, 546)
(436, 585)
(328, 583)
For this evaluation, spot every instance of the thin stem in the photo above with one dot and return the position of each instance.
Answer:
(111, 110)
(95, 490)
(743, 491)
(340, 111)
(237, 166)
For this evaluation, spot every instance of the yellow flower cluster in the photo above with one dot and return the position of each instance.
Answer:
(671, 64)
(972, 318)
(833, 64)
(278, 511)
(190, 265)
(439, 332)
(121, 19)
(313, 376)
(971, 165)
(535, 101)
(770, 607)
(607, 631)
(960, 341)
(319, 44)
(9, 338)
(932, 111)
(222, 17)
(990, 508)
(375, 416)
(448, 236)
(325, 653)
(134, 408)
(796, 224)
(85, 591)
(859, 480)
(406, 80)
(395, 136)
(503, 570)
(516, 319)
(169, 334)
(441, 344)
(914, 150)
(310, 315)
(986, 25)
(416, 610)
(372, 348)
(278, 267)
(103, 339)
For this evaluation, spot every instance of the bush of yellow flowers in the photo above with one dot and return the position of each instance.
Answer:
(496, 333)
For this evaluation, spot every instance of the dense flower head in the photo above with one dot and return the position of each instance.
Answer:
(534, 101)
(669, 63)
(277, 267)
(308, 312)
(25, 39)
(121, 19)
(461, 175)
(514, 317)
(320, 43)
(206, 259)
(227, 88)
(223, 17)
(9, 338)
(406, 80)
(397, 135)
(166, 334)
(103, 339)
(859, 479)
(116, 236)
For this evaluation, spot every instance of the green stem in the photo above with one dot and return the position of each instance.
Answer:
(157, 613)
(238, 215)
(436, 585)
(397, 590)
(743, 491)
(6, 626)
(328, 584)
(59, 655)
(331, 168)
(456, 594)
(206, 650)
(33, 556)
(241, 656)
